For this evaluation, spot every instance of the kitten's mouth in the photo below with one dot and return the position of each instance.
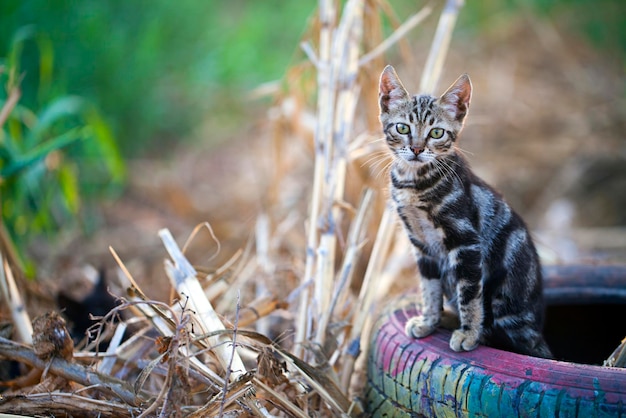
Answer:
(416, 160)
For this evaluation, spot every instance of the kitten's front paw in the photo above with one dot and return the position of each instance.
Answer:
(417, 327)
(464, 340)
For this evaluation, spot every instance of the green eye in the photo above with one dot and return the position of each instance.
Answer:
(402, 128)
(436, 133)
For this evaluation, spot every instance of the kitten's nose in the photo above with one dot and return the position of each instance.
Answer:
(417, 150)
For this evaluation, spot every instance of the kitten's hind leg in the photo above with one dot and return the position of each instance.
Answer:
(432, 304)
(541, 349)
(528, 340)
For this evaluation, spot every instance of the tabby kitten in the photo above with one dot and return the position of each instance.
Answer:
(470, 245)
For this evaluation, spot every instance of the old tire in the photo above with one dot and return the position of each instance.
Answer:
(411, 378)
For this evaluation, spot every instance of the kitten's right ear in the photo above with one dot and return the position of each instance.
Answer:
(456, 99)
(391, 91)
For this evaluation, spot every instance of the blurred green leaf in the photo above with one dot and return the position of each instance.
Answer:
(40, 151)
(107, 146)
(22, 35)
(69, 187)
(52, 156)
(61, 108)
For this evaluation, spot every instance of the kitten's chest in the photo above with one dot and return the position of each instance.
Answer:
(418, 221)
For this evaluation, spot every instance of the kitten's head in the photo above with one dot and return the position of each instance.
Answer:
(421, 128)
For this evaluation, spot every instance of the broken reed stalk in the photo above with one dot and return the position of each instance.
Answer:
(366, 298)
(327, 15)
(12, 298)
(163, 322)
(354, 246)
(617, 357)
(430, 76)
(106, 365)
(439, 47)
(323, 148)
(344, 94)
(183, 278)
(262, 241)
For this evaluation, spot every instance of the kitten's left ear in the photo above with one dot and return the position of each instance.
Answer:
(457, 98)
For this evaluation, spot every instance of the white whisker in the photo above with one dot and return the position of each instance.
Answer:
(445, 165)
(375, 161)
(384, 171)
(373, 141)
(463, 151)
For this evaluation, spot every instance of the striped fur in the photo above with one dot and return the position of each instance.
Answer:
(469, 244)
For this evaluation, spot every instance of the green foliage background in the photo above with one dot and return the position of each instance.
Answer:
(156, 67)
(54, 156)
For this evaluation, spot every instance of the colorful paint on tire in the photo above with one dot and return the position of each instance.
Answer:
(412, 378)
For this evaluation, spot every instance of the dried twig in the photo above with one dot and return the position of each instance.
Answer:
(71, 371)
(398, 34)
(62, 404)
(367, 296)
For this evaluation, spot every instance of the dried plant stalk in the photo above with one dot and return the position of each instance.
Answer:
(440, 45)
(183, 277)
(258, 309)
(324, 113)
(398, 34)
(280, 398)
(618, 356)
(163, 322)
(346, 46)
(367, 296)
(13, 299)
(353, 250)
(106, 365)
(337, 66)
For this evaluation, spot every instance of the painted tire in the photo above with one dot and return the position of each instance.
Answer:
(412, 378)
